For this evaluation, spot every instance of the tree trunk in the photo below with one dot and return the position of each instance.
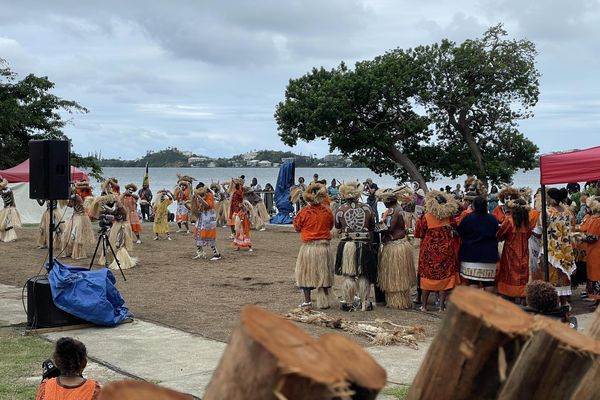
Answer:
(462, 127)
(551, 365)
(589, 387)
(474, 350)
(270, 358)
(406, 163)
(365, 375)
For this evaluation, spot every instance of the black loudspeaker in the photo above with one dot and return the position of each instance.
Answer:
(41, 311)
(49, 169)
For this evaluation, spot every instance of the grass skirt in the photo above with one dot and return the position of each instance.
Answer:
(9, 220)
(314, 266)
(43, 232)
(397, 273)
(77, 234)
(260, 216)
(357, 258)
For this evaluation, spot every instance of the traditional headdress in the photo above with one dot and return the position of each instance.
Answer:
(593, 203)
(315, 193)
(525, 193)
(473, 188)
(201, 191)
(295, 194)
(99, 202)
(440, 204)
(186, 178)
(518, 203)
(184, 182)
(84, 184)
(215, 187)
(351, 190)
(131, 186)
(3, 183)
(110, 181)
(403, 194)
(508, 193)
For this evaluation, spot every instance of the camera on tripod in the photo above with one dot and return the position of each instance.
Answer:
(106, 221)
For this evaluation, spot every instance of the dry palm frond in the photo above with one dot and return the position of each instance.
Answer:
(379, 332)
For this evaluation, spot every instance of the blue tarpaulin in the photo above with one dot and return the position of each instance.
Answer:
(89, 295)
(285, 180)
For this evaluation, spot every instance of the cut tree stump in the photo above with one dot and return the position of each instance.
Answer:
(589, 386)
(552, 363)
(476, 346)
(365, 375)
(136, 390)
(270, 358)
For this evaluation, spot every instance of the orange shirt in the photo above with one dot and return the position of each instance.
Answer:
(499, 214)
(314, 223)
(52, 389)
(591, 226)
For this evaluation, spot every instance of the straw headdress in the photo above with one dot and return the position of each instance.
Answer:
(525, 193)
(201, 191)
(215, 186)
(518, 203)
(186, 178)
(100, 201)
(131, 186)
(403, 194)
(441, 205)
(351, 190)
(295, 194)
(508, 193)
(474, 187)
(106, 183)
(315, 193)
(593, 203)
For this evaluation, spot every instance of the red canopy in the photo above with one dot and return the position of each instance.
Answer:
(574, 166)
(20, 173)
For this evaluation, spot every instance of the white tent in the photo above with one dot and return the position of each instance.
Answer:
(18, 181)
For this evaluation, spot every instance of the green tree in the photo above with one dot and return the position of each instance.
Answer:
(474, 93)
(365, 113)
(29, 111)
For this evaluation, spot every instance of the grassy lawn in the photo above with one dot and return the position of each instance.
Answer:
(20, 358)
(399, 392)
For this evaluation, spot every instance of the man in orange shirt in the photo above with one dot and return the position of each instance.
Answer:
(314, 269)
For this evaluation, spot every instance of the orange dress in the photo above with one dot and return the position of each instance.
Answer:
(499, 214)
(205, 231)
(592, 227)
(130, 204)
(463, 215)
(242, 230)
(513, 271)
(52, 390)
(437, 255)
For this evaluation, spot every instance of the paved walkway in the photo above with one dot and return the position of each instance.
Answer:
(181, 360)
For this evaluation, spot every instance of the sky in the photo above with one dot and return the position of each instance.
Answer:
(205, 76)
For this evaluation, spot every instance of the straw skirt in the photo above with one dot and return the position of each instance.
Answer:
(9, 220)
(314, 265)
(397, 273)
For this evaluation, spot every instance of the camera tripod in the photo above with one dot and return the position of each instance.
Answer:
(103, 239)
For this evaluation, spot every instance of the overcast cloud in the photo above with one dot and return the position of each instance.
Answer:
(205, 76)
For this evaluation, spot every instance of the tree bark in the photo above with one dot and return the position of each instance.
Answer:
(551, 365)
(270, 358)
(365, 375)
(474, 350)
(406, 163)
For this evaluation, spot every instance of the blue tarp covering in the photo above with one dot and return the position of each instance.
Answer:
(89, 295)
(285, 180)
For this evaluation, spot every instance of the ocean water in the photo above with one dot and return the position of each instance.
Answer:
(166, 178)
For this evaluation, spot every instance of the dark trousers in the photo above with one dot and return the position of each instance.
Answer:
(145, 211)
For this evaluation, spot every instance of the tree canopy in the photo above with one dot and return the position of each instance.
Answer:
(445, 108)
(29, 111)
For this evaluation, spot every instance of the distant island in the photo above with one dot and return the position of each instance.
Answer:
(173, 157)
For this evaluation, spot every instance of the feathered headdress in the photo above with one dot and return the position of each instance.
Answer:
(100, 202)
(315, 193)
(351, 190)
(474, 187)
(441, 205)
(508, 193)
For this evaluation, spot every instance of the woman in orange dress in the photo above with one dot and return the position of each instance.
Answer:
(129, 200)
(591, 228)
(243, 221)
(205, 231)
(437, 255)
(513, 272)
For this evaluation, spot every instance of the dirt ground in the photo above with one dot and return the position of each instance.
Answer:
(201, 296)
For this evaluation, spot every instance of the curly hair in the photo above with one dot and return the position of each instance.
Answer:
(70, 356)
(542, 296)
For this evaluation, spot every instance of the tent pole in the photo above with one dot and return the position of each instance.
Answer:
(545, 234)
